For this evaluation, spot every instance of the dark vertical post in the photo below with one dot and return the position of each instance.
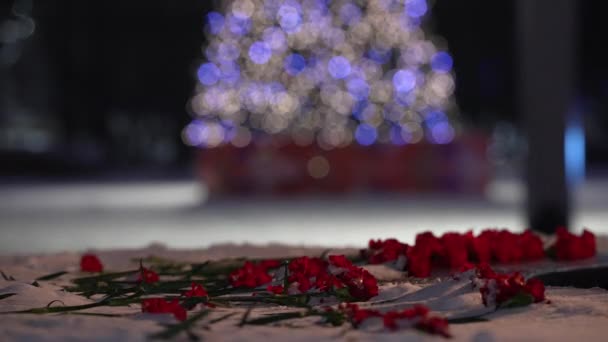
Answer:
(546, 52)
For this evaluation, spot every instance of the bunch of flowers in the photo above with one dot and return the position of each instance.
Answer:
(252, 275)
(455, 250)
(310, 275)
(499, 289)
(571, 247)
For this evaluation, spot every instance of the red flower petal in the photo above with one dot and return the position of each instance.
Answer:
(90, 263)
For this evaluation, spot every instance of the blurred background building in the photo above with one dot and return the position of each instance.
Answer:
(96, 102)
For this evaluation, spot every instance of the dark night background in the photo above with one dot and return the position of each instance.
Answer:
(107, 82)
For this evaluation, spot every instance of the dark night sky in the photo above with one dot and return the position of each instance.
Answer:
(91, 58)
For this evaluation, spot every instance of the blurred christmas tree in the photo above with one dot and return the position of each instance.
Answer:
(324, 72)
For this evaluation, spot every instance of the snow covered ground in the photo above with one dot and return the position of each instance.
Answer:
(572, 314)
(75, 217)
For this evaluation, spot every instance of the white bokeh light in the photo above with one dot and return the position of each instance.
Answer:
(330, 72)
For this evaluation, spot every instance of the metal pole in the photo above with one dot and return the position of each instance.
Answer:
(547, 48)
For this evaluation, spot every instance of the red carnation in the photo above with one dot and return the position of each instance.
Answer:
(536, 288)
(276, 289)
(499, 288)
(90, 263)
(160, 306)
(147, 276)
(196, 290)
(531, 246)
(571, 247)
(361, 284)
(418, 262)
(434, 325)
(250, 275)
(481, 247)
(454, 252)
(380, 251)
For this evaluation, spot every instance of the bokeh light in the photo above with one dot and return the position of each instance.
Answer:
(326, 72)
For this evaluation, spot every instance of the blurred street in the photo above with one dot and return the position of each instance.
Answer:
(62, 217)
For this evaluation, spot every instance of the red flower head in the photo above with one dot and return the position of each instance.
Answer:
(571, 247)
(455, 250)
(384, 251)
(361, 284)
(250, 275)
(531, 245)
(90, 263)
(278, 289)
(434, 325)
(536, 288)
(481, 246)
(429, 242)
(196, 290)
(160, 306)
(147, 276)
(418, 262)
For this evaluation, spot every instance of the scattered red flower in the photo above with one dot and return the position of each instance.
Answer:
(571, 247)
(308, 274)
(147, 276)
(416, 317)
(161, 306)
(278, 289)
(457, 251)
(196, 290)
(380, 252)
(498, 288)
(90, 263)
(252, 275)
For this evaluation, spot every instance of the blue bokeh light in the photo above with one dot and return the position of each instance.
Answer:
(339, 67)
(216, 22)
(231, 73)
(289, 18)
(239, 26)
(260, 52)
(358, 109)
(208, 74)
(435, 117)
(379, 56)
(350, 14)
(441, 62)
(404, 81)
(358, 88)
(294, 64)
(396, 136)
(275, 37)
(228, 52)
(365, 134)
(416, 8)
(574, 148)
(442, 133)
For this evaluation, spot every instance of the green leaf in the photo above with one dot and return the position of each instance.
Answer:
(465, 320)
(221, 318)
(276, 318)
(344, 295)
(103, 277)
(51, 276)
(6, 295)
(519, 300)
